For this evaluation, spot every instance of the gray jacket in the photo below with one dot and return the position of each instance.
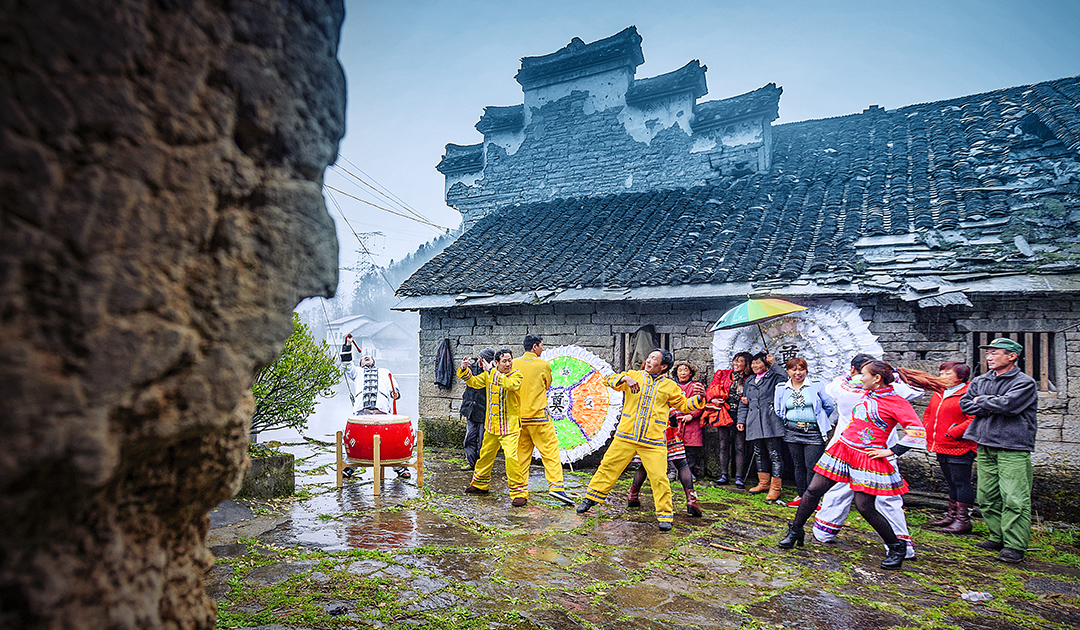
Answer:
(758, 414)
(1005, 412)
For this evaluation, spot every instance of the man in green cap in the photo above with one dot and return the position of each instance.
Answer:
(1003, 401)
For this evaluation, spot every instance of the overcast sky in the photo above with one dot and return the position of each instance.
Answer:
(420, 72)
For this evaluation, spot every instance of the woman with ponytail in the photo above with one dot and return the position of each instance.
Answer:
(945, 424)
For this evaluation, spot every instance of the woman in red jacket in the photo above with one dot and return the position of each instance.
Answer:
(945, 425)
(722, 410)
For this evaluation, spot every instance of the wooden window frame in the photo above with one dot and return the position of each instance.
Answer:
(1037, 361)
(622, 349)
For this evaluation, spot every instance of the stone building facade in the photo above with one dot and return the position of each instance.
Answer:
(605, 203)
(911, 336)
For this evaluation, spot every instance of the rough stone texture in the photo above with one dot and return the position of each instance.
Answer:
(160, 171)
(269, 477)
(913, 337)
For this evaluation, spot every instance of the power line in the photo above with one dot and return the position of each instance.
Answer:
(361, 241)
(401, 202)
(385, 195)
(375, 205)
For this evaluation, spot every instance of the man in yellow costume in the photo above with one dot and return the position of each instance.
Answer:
(501, 426)
(537, 428)
(647, 400)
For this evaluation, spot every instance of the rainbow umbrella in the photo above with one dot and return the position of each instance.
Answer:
(755, 312)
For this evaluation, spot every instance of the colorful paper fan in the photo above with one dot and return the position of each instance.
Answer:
(584, 410)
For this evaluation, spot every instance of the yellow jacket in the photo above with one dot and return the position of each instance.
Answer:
(644, 417)
(503, 406)
(534, 388)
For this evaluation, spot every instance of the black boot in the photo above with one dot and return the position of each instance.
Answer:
(585, 505)
(794, 536)
(895, 556)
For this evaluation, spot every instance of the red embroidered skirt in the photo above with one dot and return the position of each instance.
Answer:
(849, 465)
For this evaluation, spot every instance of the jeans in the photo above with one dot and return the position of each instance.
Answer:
(803, 457)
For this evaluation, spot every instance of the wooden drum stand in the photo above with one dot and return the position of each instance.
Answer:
(379, 465)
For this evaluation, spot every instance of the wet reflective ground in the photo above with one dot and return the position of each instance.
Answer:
(436, 558)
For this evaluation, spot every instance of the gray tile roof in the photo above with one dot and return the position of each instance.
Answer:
(938, 188)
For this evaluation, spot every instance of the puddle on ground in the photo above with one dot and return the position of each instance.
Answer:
(819, 610)
(715, 565)
(565, 542)
(526, 522)
(631, 534)
(406, 529)
(547, 555)
(630, 559)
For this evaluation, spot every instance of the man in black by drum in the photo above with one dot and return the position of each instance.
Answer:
(474, 408)
(376, 391)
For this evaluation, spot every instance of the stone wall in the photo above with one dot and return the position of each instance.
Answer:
(913, 337)
(160, 170)
(566, 147)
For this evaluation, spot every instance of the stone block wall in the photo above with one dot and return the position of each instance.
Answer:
(912, 337)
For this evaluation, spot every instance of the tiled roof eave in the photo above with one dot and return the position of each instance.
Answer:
(1003, 285)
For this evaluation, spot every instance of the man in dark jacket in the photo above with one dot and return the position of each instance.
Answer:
(473, 409)
(1003, 401)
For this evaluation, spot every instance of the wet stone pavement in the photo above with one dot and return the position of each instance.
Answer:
(433, 557)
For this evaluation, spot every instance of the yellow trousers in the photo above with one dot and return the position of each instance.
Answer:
(653, 458)
(542, 436)
(482, 471)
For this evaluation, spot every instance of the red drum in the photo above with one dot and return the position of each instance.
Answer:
(395, 434)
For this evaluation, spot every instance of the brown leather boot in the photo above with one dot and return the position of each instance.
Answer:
(962, 524)
(762, 483)
(775, 485)
(632, 497)
(948, 518)
(692, 507)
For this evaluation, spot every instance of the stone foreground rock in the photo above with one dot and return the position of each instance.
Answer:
(160, 197)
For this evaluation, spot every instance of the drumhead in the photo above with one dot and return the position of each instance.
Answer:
(379, 418)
